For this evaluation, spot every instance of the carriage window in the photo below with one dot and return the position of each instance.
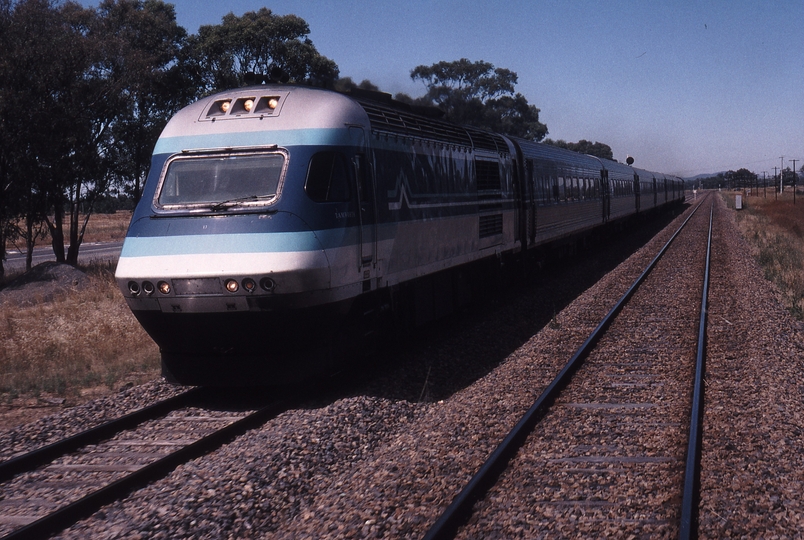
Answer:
(557, 181)
(214, 179)
(328, 178)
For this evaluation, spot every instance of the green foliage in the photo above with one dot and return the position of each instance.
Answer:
(462, 81)
(258, 42)
(478, 94)
(583, 146)
(142, 41)
(45, 86)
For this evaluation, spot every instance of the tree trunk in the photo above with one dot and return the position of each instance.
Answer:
(57, 232)
(30, 240)
(72, 251)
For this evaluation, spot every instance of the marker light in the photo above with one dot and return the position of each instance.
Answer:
(163, 287)
(134, 288)
(273, 103)
(249, 285)
(231, 285)
(268, 284)
(225, 106)
(248, 105)
(148, 287)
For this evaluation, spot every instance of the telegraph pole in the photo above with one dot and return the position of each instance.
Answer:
(774, 179)
(781, 176)
(794, 180)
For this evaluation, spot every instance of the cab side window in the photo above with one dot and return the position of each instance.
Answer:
(328, 177)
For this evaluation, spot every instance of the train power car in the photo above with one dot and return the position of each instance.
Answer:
(278, 220)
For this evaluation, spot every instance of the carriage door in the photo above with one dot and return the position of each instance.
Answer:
(605, 194)
(365, 194)
(636, 191)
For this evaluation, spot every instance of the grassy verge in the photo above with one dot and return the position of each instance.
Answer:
(107, 227)
(775, 231)
(80, 340)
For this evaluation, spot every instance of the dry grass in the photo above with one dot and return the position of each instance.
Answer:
(775, 231)
(101, 228)
(107, 227)
(78, 341)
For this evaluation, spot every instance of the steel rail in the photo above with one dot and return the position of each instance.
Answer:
(458, 512)
(46, 454)
(68, 515)
(692, 475)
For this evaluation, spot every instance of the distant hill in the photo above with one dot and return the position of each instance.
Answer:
(700, 176)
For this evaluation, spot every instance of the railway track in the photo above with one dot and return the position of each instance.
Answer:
(47, 490)
(616, 446)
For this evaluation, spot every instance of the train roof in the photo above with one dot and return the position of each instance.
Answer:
(247, 109)
(390, 116)
(302, 107)
(564, 158)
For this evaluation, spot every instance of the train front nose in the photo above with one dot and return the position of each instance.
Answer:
(220, 287)
(220, 263)
(233, 308)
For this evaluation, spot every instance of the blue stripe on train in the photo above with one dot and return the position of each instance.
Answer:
(283, 138)
(273, 242)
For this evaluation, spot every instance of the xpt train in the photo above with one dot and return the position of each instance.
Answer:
(278, 220)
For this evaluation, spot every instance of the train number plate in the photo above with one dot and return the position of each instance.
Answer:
(192, 287)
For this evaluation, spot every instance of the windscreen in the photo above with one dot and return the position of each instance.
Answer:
(202, 180)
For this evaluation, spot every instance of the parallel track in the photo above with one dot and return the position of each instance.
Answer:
(460, 510)
(69, 514)
(31, 460)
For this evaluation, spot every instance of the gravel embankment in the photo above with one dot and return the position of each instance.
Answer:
(753, 445)
(383, 460)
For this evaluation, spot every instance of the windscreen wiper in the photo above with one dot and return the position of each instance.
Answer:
(217, 207)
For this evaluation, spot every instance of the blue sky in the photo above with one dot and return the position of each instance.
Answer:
(686, 87)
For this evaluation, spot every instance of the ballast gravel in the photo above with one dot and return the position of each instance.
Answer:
(386, 457)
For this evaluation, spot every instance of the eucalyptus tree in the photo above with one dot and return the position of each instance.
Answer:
(478, 94)
(6, 150)
(274, 47)
(147, 81)
(84, 93)
(43, 51)
(133, 83)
